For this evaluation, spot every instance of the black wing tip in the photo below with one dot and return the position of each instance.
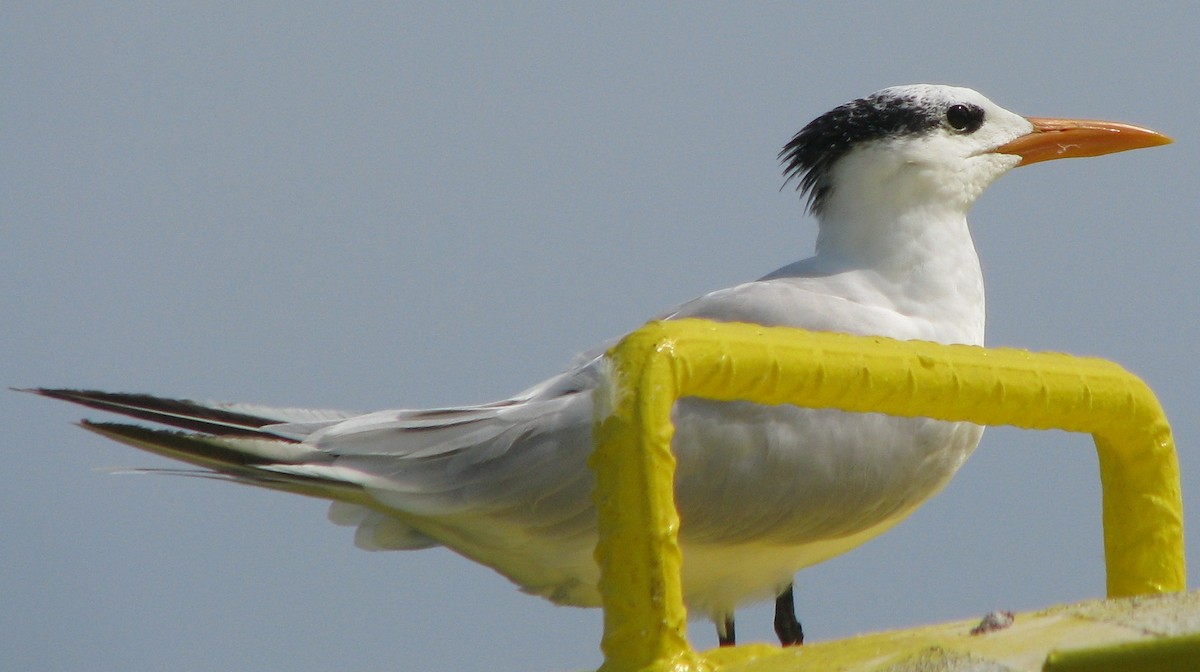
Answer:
(179, 413)
(67, 393)
(202, 450)
(88, 397)
(221, 460)
(40, 391)
(79, 393)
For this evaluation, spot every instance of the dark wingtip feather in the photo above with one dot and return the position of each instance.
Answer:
(177, 445)
(223, 461)
(179, 413)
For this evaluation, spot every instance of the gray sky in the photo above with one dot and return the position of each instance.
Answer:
(369, 207)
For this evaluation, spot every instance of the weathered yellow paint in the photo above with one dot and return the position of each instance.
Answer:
(638, 552)
(1159, 633)
(1177, 654)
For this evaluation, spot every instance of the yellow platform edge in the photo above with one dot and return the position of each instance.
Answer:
(1158, 633)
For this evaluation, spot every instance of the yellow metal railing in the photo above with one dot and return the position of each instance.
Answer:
(638, 552)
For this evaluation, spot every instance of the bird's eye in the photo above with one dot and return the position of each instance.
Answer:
(964, 118)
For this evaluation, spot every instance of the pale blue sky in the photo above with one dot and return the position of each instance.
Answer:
(366, 206)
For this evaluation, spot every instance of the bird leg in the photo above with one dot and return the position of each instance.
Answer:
(786, 626)
(725, 636)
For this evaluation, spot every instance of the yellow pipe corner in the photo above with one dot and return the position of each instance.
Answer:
(638, 551)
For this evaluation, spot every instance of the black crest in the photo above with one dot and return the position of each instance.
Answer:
(811, 154)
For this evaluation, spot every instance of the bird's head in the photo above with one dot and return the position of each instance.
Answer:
(932, 147)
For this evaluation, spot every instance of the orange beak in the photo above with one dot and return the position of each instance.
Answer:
(1073, 138)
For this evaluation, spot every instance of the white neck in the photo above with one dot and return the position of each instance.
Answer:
(917, 247)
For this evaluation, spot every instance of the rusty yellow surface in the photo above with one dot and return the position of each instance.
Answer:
(1157, 633)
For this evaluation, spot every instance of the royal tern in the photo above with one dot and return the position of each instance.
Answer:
(763, 491)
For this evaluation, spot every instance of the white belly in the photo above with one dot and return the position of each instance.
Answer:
(764, 491)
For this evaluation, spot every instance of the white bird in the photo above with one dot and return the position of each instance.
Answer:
(763, 491)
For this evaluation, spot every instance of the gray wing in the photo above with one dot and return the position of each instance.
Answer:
(522, 462)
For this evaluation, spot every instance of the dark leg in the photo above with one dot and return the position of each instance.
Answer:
(725, 636)
(786, 626)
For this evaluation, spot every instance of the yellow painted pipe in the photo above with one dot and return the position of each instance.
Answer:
(638, 551)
